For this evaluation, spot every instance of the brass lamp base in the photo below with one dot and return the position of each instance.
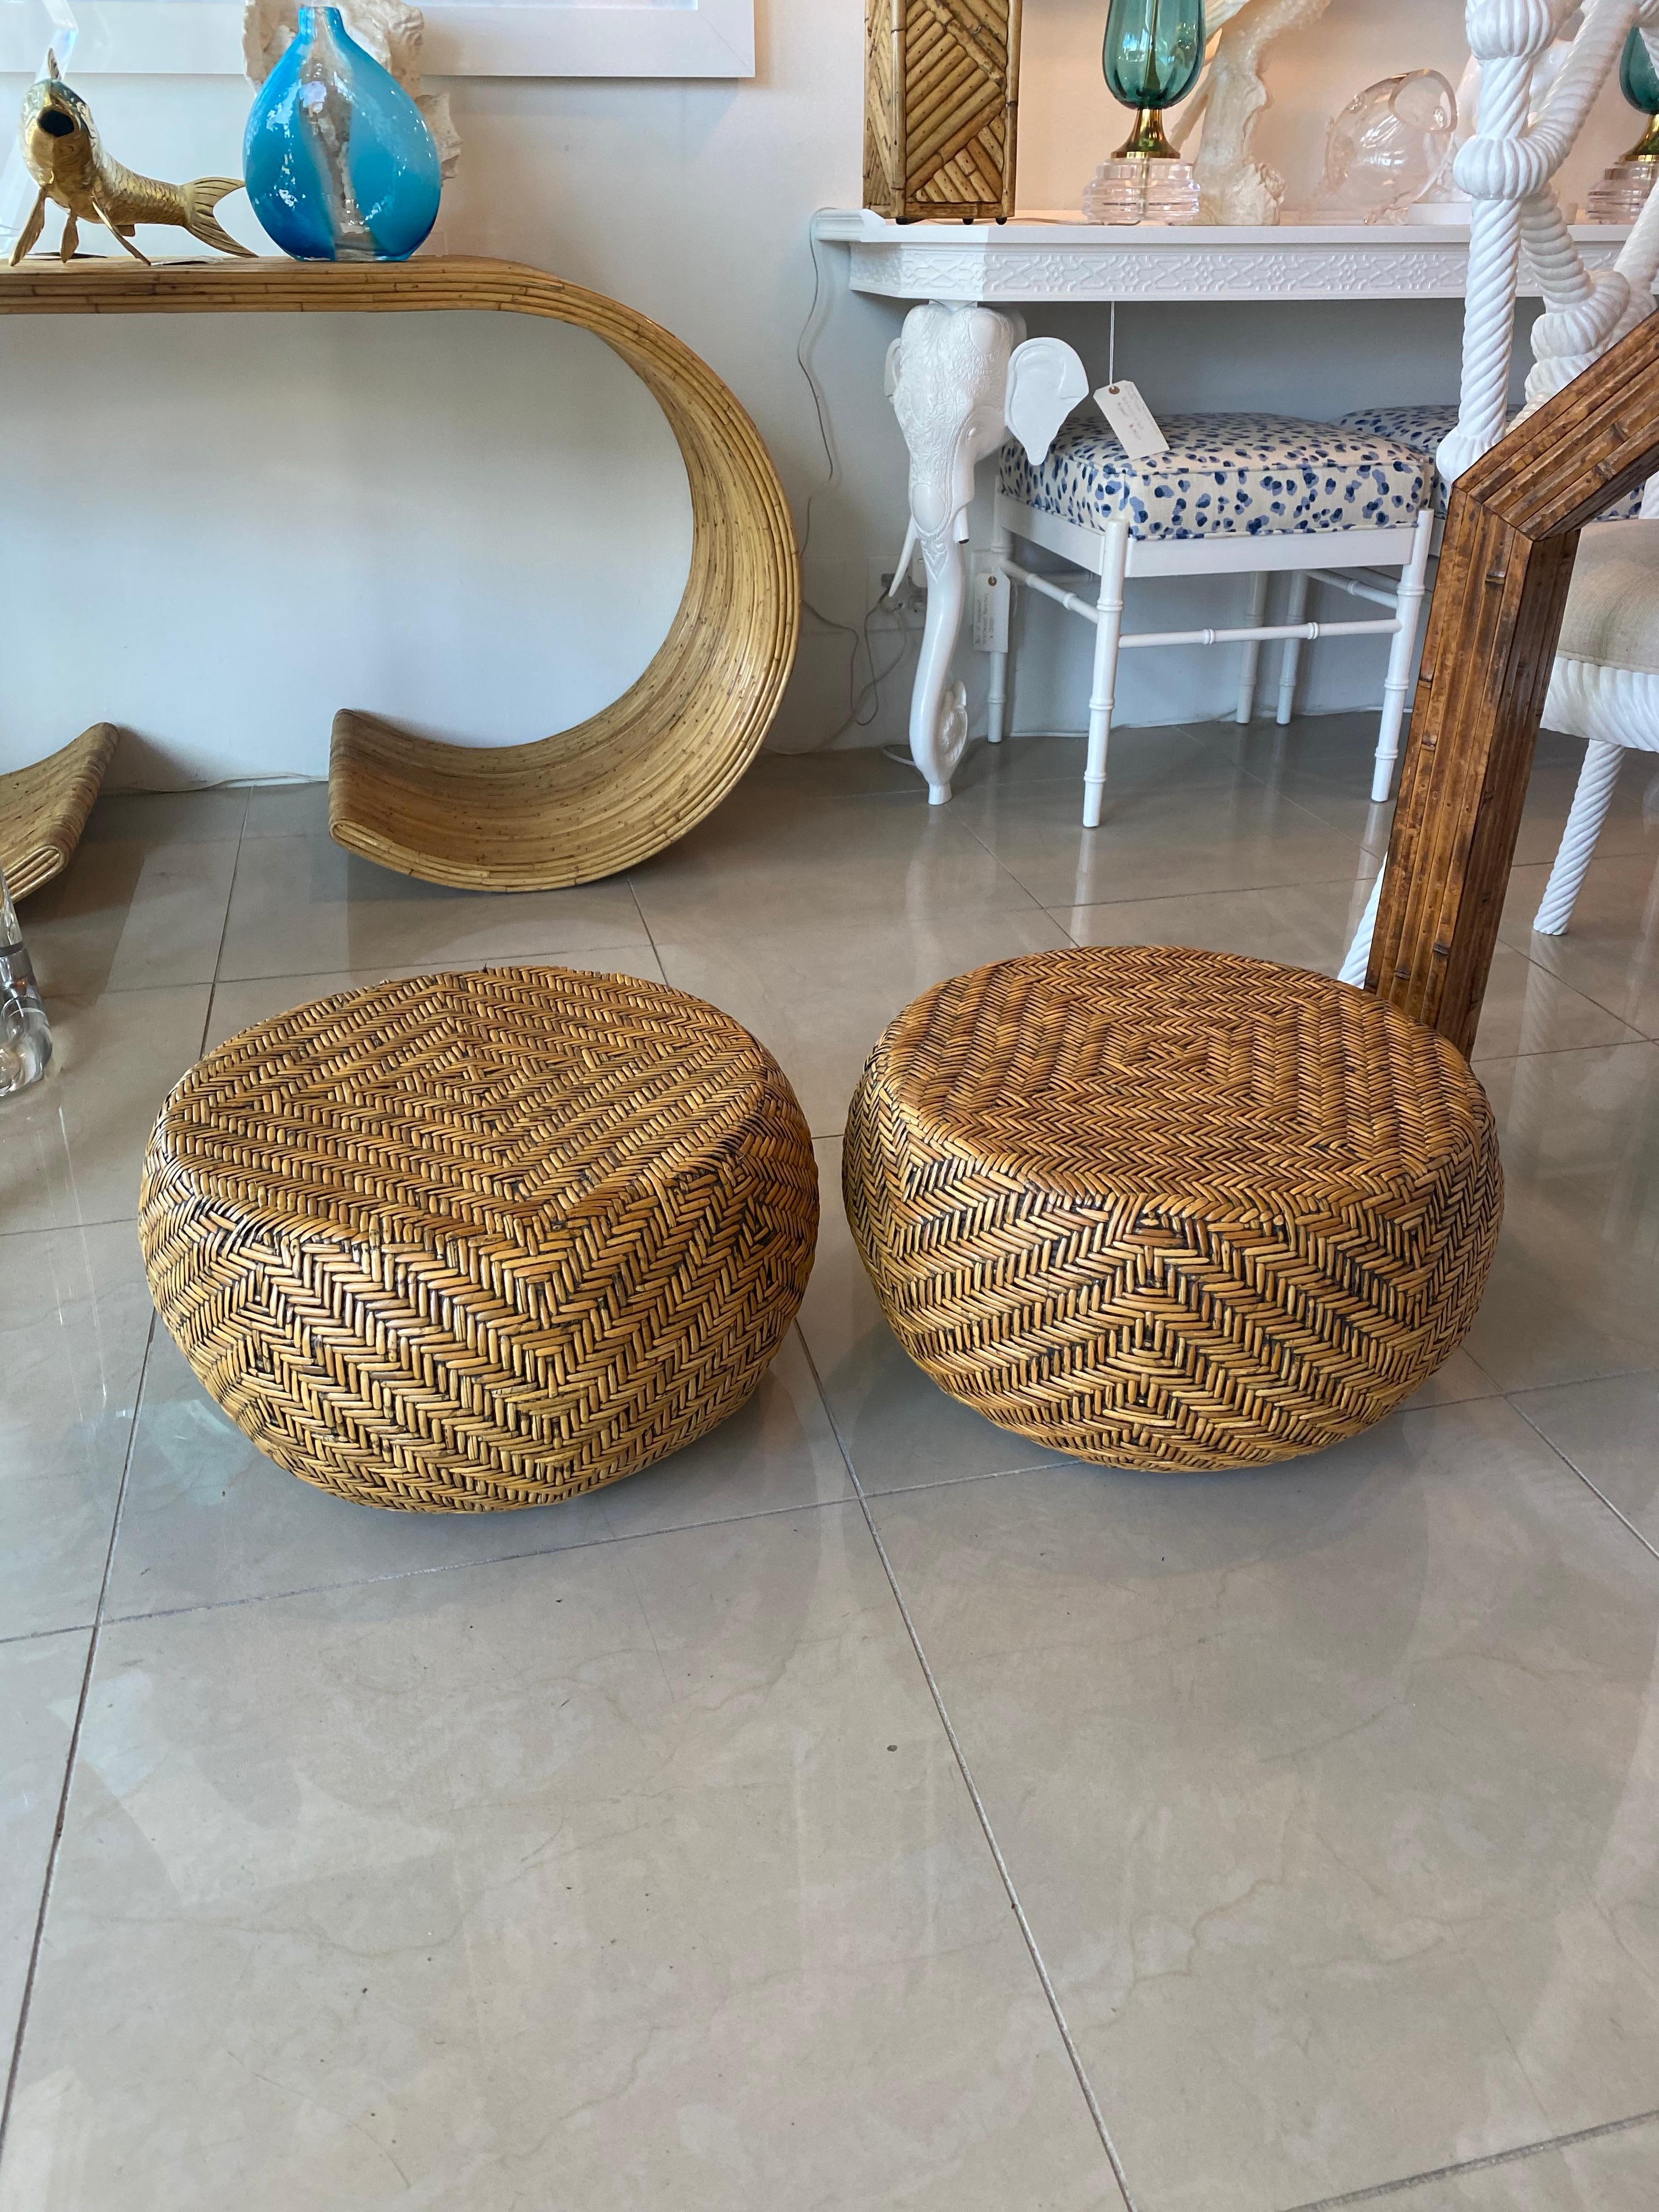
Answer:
(1147, 137)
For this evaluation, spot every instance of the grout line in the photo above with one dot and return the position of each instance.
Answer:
(57, 1845)
(1370, 2196)
(224, 932)
(465, 1566)
(978, 1803)
(43, 1634)
(1550, 1445)
(656, 953)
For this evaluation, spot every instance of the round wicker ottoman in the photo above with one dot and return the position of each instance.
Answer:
(476, 1241)
(1170, 1209)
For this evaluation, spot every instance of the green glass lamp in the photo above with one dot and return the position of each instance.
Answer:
(1154, 52)
(1639, 82)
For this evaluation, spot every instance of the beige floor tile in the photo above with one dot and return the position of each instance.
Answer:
(288, 810)
(1159, 840)
(765, 860)
(75, 1318)
(898, 1426)
(73, 1145)
(639, 1874)
(1322, 762)
(1575, 1288)
(1611, 950)
(237, 1005)
(1609, 1430)
(1304, 926)
(126, 915)
(39, 1689)
(303, 906)
(1330, 1791)
(1613, 2172)
(209, 1520)
(850, 771)
(818, 997)
(1527, 1009)
(168, 817)
(1177, 756)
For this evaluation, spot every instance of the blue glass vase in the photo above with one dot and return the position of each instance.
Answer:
(1152, 53)
(339, 163)
(1640, 86)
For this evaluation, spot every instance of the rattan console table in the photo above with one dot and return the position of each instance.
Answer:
(615, 789)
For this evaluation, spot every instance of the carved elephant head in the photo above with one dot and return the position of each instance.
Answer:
(960, 378)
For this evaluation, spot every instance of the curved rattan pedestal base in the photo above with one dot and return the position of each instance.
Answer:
(44, 808)
(476, 1241)
(1168, 1209)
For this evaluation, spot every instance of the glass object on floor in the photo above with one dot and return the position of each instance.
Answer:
(1387, 147)
(1154, 52)
(1623, 191)
(339, 163)
(1135, 189)
(25, 1032)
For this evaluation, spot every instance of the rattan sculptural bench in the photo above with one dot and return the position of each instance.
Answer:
(609, 791)
(1168, 1209)
(44, 808)
(480, 1241)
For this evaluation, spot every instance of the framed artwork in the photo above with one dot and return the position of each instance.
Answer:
(464, 37)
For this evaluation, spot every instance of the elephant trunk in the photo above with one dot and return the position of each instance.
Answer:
(938, 727)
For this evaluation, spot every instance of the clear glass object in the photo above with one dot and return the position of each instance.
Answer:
(25, 1032)
(1623, 191)
(1154, 52)
(1387, 146)
(339, 163)
(1137, 189)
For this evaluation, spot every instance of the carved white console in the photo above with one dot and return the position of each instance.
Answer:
(1058, 257)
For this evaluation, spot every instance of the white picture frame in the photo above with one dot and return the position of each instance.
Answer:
(465, 38)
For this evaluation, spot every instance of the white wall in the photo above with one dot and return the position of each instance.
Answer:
(224, 528)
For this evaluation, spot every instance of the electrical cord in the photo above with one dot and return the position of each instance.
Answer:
(859, 698)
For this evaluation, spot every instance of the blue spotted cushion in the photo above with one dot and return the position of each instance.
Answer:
(1424, 426)
(1225, 476)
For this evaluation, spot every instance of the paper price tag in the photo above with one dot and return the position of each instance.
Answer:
(1132, 418)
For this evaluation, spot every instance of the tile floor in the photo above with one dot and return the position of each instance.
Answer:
(860, 1810)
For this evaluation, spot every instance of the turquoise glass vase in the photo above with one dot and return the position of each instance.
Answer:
(339, 163)
(1639, 82)
(1153, 53)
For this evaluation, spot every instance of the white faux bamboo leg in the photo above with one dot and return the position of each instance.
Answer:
(996, 705)
(1590, 803)
(1409, 609)
(1353, 968)
(1252, 662)
(1108, 628)
(1296, 610)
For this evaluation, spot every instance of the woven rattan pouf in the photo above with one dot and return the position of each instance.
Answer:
(476, 1241)
(1170, 1209)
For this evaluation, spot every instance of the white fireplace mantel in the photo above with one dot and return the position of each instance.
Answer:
(1038, 258)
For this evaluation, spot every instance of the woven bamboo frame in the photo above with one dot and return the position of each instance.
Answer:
(470, 1242)
(44, 808)
(941, 92)
(1512, 525)
(1168, 1209)
(615, 789)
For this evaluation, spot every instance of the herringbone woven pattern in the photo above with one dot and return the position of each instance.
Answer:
(475, 1241)
(1171, 1209)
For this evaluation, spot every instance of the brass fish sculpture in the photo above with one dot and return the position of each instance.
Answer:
(62, 149)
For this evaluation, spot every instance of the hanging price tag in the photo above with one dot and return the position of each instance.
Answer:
(1132, 418)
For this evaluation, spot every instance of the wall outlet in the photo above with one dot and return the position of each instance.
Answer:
(909, 604)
